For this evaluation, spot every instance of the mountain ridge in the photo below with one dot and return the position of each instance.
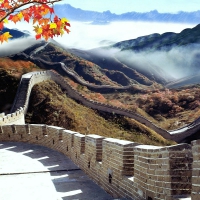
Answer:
(88, 15)
(15, 33)
(164, 41)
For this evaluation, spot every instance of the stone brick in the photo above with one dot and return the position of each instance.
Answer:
(123, 168)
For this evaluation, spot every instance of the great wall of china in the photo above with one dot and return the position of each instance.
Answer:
(21, 101)
(122, 168)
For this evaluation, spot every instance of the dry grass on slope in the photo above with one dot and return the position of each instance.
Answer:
(10, 74)
(8, 89)
(49, 105)
(17, 67)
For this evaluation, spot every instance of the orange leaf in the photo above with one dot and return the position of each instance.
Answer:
(35, 11)
(15, 19)
(5, 36)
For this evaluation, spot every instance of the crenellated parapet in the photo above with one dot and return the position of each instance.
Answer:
(122, 168)
(165, 172)
(16, 117)
(21, 102)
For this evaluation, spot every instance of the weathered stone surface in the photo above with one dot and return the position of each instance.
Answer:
(37, 173)
(122, 168)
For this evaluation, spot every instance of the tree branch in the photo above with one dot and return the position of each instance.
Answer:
(24, 4)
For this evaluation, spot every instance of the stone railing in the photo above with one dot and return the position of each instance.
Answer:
(122, 168)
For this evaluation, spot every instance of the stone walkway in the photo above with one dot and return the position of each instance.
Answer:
(32, 172)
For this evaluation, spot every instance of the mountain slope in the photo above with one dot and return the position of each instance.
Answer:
(163, 41)
(116, 75)
(186, 81)
(141, 54)
(50, 105)
(47, 51)
(144, 73)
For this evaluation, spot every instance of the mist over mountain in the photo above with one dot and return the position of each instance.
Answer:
(16, 33)
(78, 14)
(156, 57)
(16, 45)
(160, 57)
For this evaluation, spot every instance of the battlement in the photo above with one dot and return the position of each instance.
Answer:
(122, 168)
(12, 118)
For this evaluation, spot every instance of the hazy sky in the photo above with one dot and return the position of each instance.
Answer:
(122, 6)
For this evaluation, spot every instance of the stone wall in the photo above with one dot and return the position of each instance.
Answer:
(196, 170)
(21, 102)
(29, 80)
(122, 168)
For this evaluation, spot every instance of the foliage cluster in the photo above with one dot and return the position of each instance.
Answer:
(169, 109)
(170, 102)
(8, 89)
(38, 11)
(17, 67)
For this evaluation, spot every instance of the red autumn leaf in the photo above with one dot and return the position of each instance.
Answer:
(1, 25)
(26, 17)
(67, 24)
(10, 17)
(51, 10)
(38, 36)
(35, 11)
(67, 30)
(56, 18)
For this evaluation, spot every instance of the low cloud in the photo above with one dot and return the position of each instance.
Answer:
(86, 36)
(178, 62)
(16, 45)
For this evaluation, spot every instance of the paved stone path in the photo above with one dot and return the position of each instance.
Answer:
(32, 172)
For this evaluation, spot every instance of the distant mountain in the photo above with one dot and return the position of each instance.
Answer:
(143, 73)
(66, 10)
(162, 41)
(110, 58)
(189, 80)
(16, 33)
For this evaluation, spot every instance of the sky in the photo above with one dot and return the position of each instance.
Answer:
(122, 6)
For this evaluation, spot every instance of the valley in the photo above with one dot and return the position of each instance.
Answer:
(109, 79)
